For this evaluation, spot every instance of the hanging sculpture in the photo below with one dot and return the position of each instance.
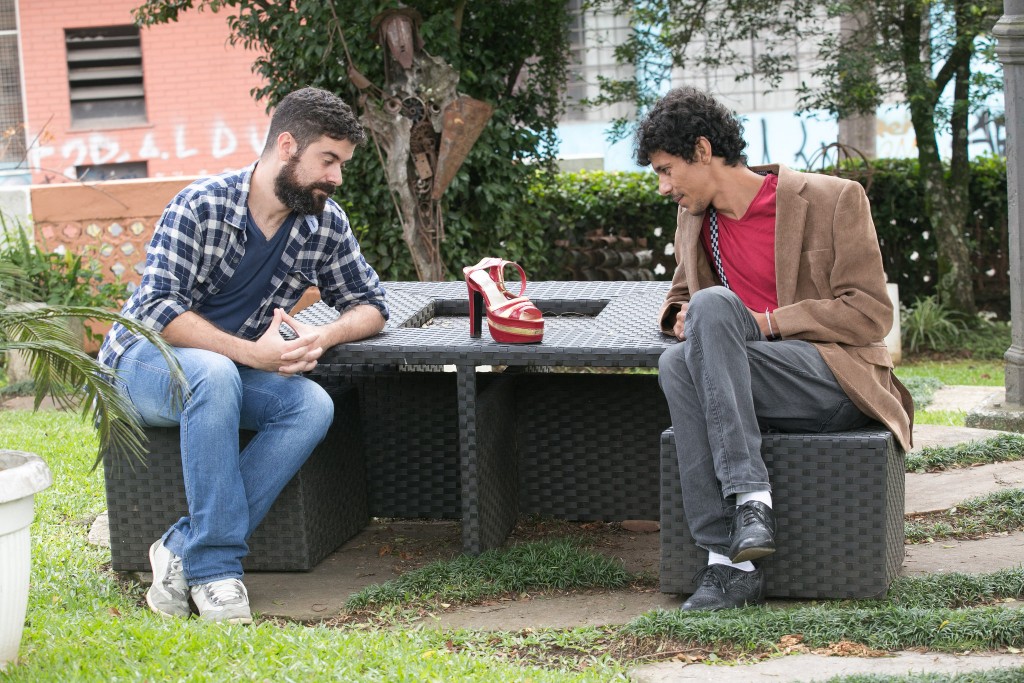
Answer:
(425, 127)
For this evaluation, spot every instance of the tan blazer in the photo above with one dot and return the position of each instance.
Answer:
(831, 287)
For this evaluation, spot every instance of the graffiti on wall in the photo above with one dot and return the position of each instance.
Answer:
(784, 137)
(177, 142)
(895, 137)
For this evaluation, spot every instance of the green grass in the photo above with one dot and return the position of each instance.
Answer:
(24, 388)
(561, 564)
(946, 418)
(951, 372)
(996, 512)
(1000, 448)
(83, 624)
(942, 612)
(956, 590)
(923, 377)
(885, 627)
(922, 389)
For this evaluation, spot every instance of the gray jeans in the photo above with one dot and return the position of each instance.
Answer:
(724, 385)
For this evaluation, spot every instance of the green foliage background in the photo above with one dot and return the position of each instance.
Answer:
(506, 199)
(511, 54)
(897, 205)
(569, 205)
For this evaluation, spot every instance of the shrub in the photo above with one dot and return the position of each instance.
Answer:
(564, 207)
(57, 278)
(929, 325)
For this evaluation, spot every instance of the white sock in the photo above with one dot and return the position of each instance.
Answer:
(760, 496)
(715, 558)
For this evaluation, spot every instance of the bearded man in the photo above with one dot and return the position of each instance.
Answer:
(230, 255)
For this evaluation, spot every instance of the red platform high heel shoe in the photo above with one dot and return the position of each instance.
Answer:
(511, 319)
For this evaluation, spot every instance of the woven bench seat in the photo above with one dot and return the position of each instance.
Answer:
(321, 507)
(839, 503)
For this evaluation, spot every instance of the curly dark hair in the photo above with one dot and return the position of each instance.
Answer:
(310, 113)
(677, 120)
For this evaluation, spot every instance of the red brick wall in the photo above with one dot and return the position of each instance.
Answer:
(202, 119)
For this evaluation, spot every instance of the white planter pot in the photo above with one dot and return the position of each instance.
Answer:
(22, 475)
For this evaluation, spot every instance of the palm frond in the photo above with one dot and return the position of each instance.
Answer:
(76, 380)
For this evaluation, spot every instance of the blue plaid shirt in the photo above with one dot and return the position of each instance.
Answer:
(199, 242)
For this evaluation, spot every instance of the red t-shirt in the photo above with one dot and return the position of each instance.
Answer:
(747, 247)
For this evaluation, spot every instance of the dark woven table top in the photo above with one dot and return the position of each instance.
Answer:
(609, 324)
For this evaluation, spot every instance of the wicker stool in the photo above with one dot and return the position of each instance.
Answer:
(321, 507)
(838, 501)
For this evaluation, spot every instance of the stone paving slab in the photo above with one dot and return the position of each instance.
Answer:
(965, 397)
(597, 608)
(806, 668)
(980, 556)
(926, 436)
(935, 491)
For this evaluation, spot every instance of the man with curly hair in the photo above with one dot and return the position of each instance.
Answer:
(780, 301)
(229, 256)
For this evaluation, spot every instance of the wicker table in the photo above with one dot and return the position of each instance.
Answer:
(486, 446)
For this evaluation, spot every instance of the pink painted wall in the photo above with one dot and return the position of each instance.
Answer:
(202, 118)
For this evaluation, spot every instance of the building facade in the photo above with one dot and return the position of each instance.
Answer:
(88, 95)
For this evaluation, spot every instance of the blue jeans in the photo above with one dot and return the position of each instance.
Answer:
(228, 492)
(724, 385)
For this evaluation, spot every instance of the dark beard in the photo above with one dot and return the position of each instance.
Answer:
(302, 199)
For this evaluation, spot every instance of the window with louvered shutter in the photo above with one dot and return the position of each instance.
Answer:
(105, 76)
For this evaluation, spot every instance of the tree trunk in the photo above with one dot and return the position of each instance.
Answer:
(414, 100)
(392, 132)
(946, 204)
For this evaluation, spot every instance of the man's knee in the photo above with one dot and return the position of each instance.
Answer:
(213, 374)
(711, 299)
(320, 406)
(711, 310)
(310, 400)
(672, 369)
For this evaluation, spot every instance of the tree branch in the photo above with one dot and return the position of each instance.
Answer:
(460, 8)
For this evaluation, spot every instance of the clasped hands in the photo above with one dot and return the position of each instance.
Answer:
(679, 330)
(274, 353)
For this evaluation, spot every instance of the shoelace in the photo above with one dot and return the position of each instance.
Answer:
(752, 514)
(225, 592)
(711, 575)
(174, 577)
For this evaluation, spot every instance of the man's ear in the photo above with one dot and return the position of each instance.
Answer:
(703, 152)
(287, 146)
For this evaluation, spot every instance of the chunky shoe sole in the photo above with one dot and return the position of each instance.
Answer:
(166, 615)
(752, 554)
(233, 620)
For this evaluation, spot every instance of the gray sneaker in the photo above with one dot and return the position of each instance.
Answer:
(224, 600)
(168, 596)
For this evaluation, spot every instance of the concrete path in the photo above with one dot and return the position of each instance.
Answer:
(806, 668)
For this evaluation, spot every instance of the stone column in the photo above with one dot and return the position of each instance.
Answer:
(1010, 33)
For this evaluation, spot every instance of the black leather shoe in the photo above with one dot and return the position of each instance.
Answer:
(723, 587)
(753, 532)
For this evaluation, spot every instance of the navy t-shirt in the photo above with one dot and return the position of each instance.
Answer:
(229, 308)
